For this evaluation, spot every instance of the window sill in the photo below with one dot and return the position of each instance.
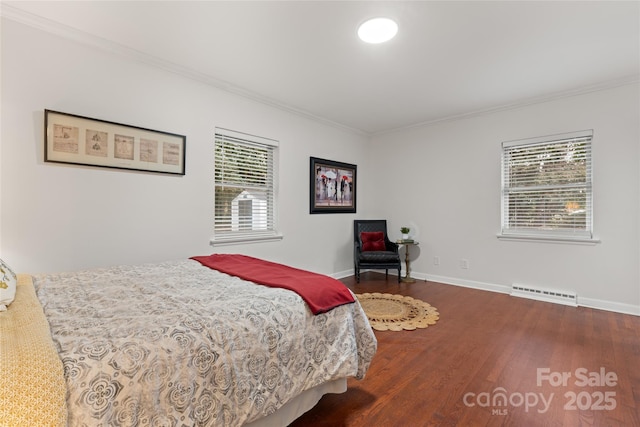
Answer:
(245, 239)
(549, 239)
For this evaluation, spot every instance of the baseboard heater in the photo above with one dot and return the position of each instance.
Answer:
(548, 295)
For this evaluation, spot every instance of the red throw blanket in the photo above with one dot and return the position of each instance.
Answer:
(322, 293)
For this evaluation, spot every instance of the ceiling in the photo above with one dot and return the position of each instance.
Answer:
(450, 58)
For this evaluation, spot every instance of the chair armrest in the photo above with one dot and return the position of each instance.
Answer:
(391, 246)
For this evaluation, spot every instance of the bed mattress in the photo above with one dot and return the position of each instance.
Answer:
(177, 343)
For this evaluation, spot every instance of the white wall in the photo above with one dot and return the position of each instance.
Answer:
(445, 179)
(61, 217)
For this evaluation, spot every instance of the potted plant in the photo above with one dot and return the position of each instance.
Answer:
(405, 232)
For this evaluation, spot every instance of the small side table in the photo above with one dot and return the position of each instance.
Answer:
(407, 278)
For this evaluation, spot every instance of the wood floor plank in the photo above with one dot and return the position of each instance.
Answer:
(487, 345)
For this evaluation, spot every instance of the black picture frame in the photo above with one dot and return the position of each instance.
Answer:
(79, 140)
(332, 186)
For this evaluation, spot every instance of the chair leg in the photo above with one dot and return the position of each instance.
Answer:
(399, 276)
(386, 273)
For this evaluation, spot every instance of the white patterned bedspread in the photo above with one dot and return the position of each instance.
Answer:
(179, 344)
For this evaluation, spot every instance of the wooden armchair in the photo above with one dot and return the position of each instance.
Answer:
(372, 248)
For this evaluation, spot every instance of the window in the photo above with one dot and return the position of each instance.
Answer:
(245, 212)
(245, 187)
(546, 187)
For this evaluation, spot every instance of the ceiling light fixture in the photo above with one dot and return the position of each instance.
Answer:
(377, 30)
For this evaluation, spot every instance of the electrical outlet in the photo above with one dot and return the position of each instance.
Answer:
(464, 264)
(436, 260)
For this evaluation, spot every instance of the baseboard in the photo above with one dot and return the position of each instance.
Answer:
(466, 283)
(617, 307)
(598, 304)
(351, 272)
(342, 274)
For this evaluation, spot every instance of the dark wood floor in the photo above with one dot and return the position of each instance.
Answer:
(486, 346)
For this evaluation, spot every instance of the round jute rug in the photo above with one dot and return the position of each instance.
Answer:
(388, 312)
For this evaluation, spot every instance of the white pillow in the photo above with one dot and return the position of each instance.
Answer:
(8, 280)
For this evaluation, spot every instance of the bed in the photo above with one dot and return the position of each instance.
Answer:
(172, 344)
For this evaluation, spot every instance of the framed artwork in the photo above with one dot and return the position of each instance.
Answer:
(85, 141)
(332, 187)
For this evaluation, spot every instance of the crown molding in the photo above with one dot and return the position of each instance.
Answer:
(58, 29)
(81, 37)
(611, 84)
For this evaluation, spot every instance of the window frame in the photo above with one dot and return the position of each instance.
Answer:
(559, 234)
(242, 234)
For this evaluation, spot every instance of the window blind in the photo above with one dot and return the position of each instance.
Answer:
(547, 186)
(245, 186)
